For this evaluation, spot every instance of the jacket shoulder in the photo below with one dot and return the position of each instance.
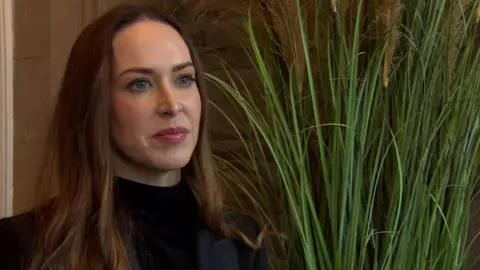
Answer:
(258, 259)
(246, 224)
(16, 239)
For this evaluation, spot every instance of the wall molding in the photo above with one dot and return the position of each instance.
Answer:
(6, 108)
(90, 10)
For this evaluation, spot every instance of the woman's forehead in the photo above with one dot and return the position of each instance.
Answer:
(149, 44)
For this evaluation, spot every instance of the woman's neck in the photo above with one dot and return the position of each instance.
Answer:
(130, 171)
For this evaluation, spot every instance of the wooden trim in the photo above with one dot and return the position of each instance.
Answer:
(90, 10)
(101, 7)
(6, 108)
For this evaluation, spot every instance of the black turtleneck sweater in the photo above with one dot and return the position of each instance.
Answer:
(166, 221)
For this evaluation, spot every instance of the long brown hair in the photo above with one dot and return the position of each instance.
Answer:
(81, 228)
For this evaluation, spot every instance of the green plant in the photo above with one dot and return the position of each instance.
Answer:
(364, 145)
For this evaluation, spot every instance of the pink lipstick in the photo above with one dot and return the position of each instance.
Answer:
(171, 135)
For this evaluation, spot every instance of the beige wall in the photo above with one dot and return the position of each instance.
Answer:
(6, 108)
(44, 32)
(31, 93)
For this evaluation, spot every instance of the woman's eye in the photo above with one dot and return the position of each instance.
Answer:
(184, 81)
(139, 84)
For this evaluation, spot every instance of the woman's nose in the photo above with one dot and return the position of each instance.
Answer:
(168, 103)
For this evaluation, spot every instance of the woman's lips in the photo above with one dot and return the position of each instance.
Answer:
(171, 135)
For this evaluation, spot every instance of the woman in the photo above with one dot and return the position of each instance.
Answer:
(135, 185)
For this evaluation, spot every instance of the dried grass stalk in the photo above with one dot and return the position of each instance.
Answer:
(477, 13)
(334, 5)
(286, 24)
(392, 9)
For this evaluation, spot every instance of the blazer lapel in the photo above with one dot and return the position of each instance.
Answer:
(216, 254)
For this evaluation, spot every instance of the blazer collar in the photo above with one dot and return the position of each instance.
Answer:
(213, 252)
(216, 253)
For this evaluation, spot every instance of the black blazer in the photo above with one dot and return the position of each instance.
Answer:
(213, 252)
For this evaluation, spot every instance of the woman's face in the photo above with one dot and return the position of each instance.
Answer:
(155, 100)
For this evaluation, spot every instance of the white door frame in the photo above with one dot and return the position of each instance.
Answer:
(6, 108)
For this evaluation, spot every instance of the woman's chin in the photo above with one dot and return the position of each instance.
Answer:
(170, 165)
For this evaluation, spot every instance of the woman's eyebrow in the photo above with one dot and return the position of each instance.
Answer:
(137, 70)
(144, 70)
(182, 66)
